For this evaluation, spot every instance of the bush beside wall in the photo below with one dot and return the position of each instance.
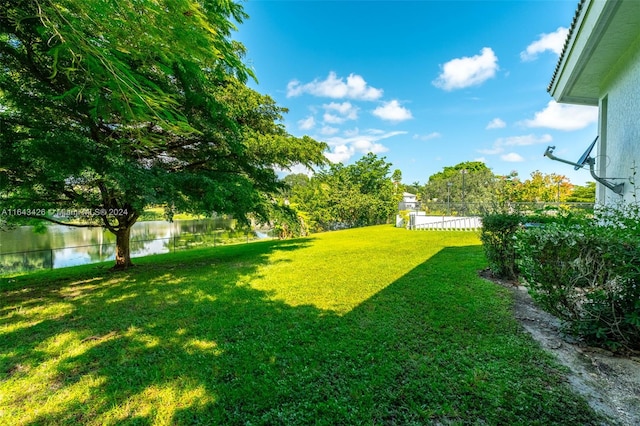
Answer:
(497, 236)
(586, 272)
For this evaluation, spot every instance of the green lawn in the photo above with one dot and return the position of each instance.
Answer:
(368, 326)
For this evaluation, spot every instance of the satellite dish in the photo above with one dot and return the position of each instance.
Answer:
(583, 159)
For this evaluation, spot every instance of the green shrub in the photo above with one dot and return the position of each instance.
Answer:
(499, 229)
(497, 235)
(587, 274)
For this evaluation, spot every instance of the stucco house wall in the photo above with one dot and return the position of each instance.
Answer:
(620, 127)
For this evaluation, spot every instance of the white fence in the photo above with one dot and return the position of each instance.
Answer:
(461, 223)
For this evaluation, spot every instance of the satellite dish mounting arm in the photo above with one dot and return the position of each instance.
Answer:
(549, 153)
(617, 188)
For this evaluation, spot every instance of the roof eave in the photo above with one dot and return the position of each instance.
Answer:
(578, 16)
(601, 33)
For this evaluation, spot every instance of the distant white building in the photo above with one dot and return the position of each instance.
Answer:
(600, 66)
(409, 201)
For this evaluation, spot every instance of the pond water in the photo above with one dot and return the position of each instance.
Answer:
(60, 246)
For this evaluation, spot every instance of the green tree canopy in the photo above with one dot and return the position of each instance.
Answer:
(355, 195)
(544, 187)
(583, 194)
(106, 107)
(397, 176)
(464, 184)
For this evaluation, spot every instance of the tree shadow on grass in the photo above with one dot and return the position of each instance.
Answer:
(193, 343)
(125, 331)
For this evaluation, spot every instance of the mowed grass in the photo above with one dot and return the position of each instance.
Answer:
(360, 327)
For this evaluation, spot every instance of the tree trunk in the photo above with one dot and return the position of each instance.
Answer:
(123, 251)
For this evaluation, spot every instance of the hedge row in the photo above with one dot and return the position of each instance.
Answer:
(586, 271)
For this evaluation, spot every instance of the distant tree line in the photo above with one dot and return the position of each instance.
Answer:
(368, 193)
(473, 183)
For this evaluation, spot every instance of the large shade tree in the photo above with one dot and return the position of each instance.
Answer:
(109, 106)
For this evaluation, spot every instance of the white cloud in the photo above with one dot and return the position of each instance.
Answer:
(307, 123)
(512, 157)
(354, 141)
(332, 118)
(340, 153)
(552, 41)
(392, 111)
(333, 87)
(352, 136)
(328, 130)
(375, 131)
(365, 145)
(468, 71)
(432, 135)
(295, 169)
(563, 117)
(343, 108)
(352, 132)
(294, 89)
(524, 140)
(496, 123)
(337, 113)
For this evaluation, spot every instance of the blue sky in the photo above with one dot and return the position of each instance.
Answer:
(426, 84)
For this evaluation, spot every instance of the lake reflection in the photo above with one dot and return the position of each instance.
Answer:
(60, 246)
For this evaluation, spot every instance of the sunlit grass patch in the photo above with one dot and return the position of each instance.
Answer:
(20, 317)
(341, 271)
(43, 384)
(198, 345)
(159, 405)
